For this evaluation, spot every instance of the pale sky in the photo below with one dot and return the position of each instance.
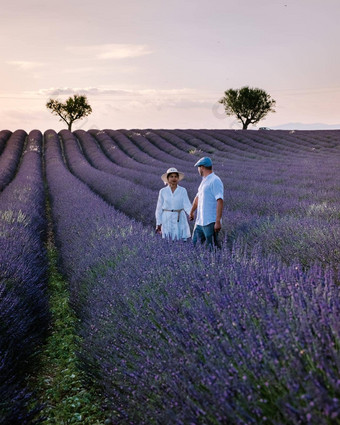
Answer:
(165, 64)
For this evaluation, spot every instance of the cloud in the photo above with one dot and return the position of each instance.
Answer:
(25, 65)
(178, 98)
(102, 91)
(111, 51)
(88, 91)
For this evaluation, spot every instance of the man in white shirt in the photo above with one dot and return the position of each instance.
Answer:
(209, 205)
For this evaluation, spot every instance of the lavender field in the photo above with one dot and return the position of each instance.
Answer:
(173, 334)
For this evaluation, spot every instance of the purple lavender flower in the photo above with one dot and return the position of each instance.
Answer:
(24, 314)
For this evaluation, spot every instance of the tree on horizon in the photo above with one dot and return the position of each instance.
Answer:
(249, 105)
(74, 108)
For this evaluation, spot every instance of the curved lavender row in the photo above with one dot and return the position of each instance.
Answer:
(328, 138)
(84, 223)
(180, 143)
(289, 138)
(203, 145)
(238, 142)
(24, 314)
(117, 155)
(141, 175)
(4, 136)
(109, 147)
(99, 160)
(279, 145)
(152, 149)
(196, 143)
(260, 147)
(205, 142)
(152, 181)
(228, 147)
(130, 148)
(252, 143)
(113, 152)
(331, 140)
(306, 138)
(165, 151)
(134, 200)
(164, 160)
(175, 146)
(295, 141)
(10, 157)
(223, 147)
(257, 141)
(229, 159)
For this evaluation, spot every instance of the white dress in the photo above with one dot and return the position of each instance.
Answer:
(174, 223)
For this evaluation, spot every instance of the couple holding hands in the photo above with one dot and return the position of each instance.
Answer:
(173, 204)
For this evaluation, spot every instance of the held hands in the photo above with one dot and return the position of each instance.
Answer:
(191, 216)
(158, 229)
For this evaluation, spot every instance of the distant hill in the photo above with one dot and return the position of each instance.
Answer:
(302, 126)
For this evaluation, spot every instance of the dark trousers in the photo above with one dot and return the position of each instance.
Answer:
(206, 234)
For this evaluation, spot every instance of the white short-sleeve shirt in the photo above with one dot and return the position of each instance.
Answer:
(209, 191)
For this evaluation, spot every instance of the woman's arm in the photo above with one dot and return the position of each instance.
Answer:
(159, 209)
(193, 208)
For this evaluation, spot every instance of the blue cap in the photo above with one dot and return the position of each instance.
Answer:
(205, 161)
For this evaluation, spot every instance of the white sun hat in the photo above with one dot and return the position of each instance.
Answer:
(169, 171)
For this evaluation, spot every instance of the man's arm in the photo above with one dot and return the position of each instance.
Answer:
(219, 209)
(193, 209)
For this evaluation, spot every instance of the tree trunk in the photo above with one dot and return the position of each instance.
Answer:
(70, 125)
(245, 126)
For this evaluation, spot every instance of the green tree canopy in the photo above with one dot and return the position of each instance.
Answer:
(250, 105)
(73, 109)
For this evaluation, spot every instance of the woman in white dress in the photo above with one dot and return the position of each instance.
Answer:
(172, 208)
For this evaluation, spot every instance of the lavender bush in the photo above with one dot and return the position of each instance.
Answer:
(119, 192)
(90, 217)
(99, 160)
(130, 149)
(154, 151)
(173, 149)
(178, 340)
(10, 157)
(24, 316)
(4, 136)
(111, 146)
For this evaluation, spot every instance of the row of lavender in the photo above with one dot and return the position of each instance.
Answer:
(176, 335)
(230, 143)
(11, 147)
(287, 205)
(24, 314)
